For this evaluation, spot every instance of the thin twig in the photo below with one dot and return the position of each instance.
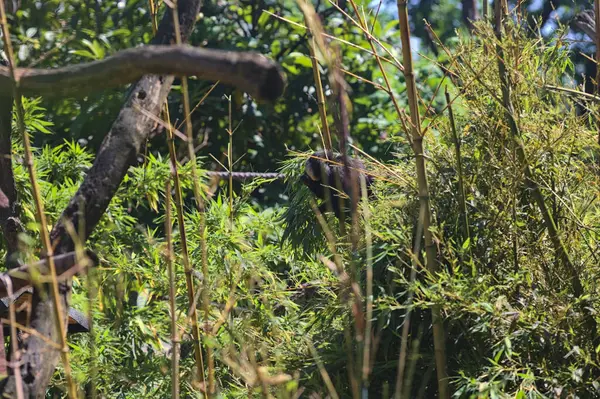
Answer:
(331, 37)
(369, 291)
(597, 24)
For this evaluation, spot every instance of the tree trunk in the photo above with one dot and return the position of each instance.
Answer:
(469, 13)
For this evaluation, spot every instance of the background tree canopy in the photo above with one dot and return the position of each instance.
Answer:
(278, 316)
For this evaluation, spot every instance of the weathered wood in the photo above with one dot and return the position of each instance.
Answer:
(66, 267)
(77, 321)
(250, 72)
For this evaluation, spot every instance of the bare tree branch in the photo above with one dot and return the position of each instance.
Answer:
(251, 72)
(66, 267)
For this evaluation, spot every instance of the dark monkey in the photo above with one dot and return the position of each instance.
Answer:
(325, 176)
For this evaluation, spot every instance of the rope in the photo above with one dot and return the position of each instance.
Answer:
(246, 175)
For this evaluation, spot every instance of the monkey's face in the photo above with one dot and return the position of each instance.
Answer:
(313, 169)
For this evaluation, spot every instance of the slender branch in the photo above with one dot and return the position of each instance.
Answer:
(462, 197)
(320, 95)
(172, 293)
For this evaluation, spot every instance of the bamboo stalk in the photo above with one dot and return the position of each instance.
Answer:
(597, 20)
(413, 357)
(179, 207)
(555, 237)
(369, 290)
(485, 9)
(171, 272)
(92, 300)
(15, 353)
(185, 251)
(320, 95)
(201, 210)
(408, 305)
(430, 249)
(169, 259)
(40, 214)
(515, 215)
(438, 328)
(462, 198)
(328, 384)
(230, 163)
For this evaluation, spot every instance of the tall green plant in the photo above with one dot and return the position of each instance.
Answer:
(425, 212)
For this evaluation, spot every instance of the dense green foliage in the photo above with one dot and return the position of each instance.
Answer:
(513, 325)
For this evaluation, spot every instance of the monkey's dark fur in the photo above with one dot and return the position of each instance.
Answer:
(325, 176)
